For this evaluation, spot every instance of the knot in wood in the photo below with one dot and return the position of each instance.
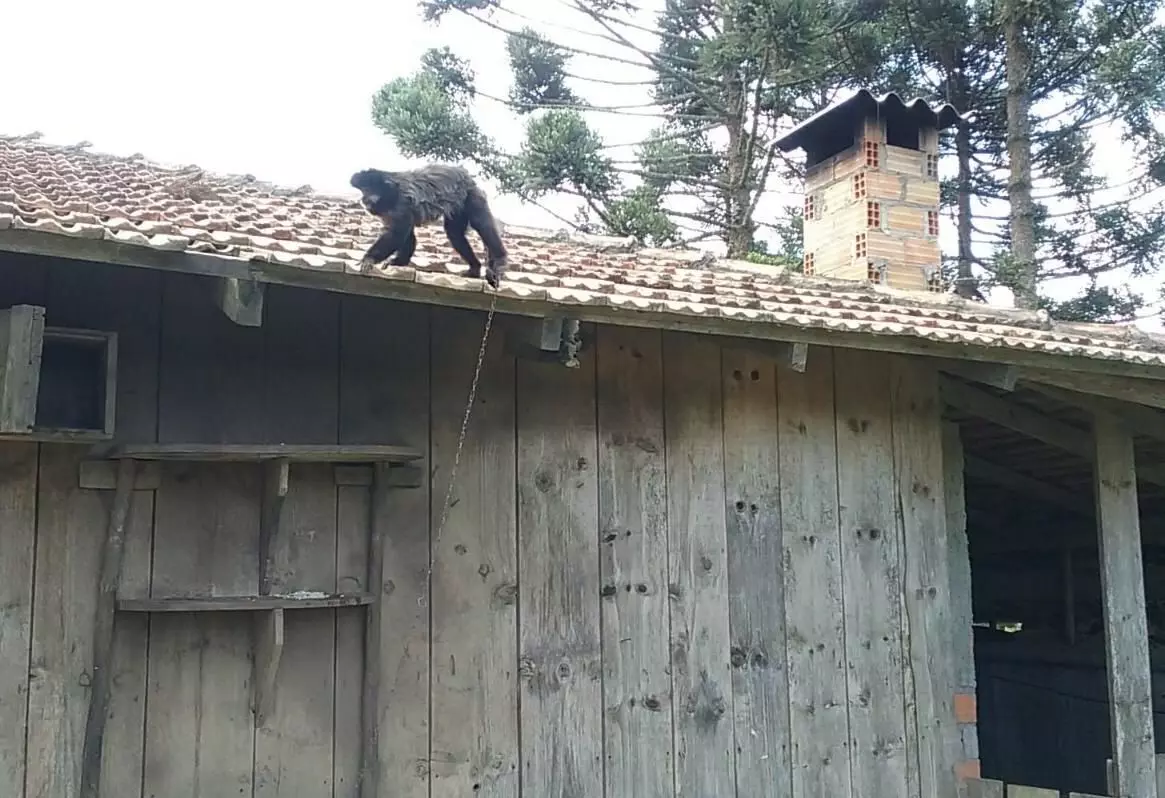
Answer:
(737, 657)
(543, 481)
(706, 562)
(506, 593)
(652, 703)
(563, 671)
(607, 591)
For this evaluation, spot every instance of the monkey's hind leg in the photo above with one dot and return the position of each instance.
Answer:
(482, 220)
(455, 227)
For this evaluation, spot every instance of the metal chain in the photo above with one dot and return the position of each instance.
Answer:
(446, 506)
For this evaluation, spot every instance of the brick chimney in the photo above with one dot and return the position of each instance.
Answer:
(872, 191)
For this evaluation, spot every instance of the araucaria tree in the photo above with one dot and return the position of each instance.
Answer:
(691, 156)
(1045, 79)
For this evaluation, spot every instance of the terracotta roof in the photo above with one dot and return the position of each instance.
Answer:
(129, 203)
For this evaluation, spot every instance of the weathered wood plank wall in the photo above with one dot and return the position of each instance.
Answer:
(675, 570)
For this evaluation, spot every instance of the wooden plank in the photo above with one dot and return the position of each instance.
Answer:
(294, 740)
(353, 515)
(373, 643)
(814, 608)
(27, 241)
(379, 339)
(475, 568)
(70, 535)
(18, 469)
(871, 573)
(756, 590)
(112, 555)
(560, 658)
(1160, 775)
(698, 567)
(21, 338)
(1017, 791)
(269, 640)
(398, 476)
(1126, 634)
(276, 479)
(124, 302)
(925, 558)
(200, 735)
(294, 601)
(959, 558)
(633, 563)
(255, 452)
(102, 475)
(983, 788)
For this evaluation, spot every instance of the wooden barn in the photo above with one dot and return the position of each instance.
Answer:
(704, 533)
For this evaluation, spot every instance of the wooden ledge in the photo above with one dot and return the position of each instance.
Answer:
(258, 452)
(303, 601)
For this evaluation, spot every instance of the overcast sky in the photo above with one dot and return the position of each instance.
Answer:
(272, 89)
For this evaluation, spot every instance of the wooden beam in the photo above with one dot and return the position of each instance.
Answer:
(1026, 486)
(1126, 631)
(998, 375)
(268, 653)
(406, 289)
(1030, 422)
(242, 300)
(1148, 392)
(370, 688)
(21, 339)
(958, 558)
(1140, 420)
(103, 616)
(550, 334)
(276, 477)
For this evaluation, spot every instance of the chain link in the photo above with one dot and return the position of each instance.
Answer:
(446, 505)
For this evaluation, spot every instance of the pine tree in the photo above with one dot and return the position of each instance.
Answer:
(721, 78)
(1041, 76)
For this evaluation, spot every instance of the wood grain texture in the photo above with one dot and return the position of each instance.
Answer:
(959, 564)
(294, 745)
(920, 488)
(698, 567)
(70, 534)
(1126, 634)
(872, 574)
(475, 567)
(814, 605)
(18, 471)
(558, 559)
(756, 585)
(128, 302)
(384, 398)
(633, 563)
(199, 724)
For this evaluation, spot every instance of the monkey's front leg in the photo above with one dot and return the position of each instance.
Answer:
(397, 237)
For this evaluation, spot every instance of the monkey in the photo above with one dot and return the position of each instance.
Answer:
(406, 200)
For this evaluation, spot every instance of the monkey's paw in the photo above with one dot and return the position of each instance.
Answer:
(366, 264)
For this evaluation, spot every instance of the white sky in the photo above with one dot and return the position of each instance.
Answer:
(272, 89)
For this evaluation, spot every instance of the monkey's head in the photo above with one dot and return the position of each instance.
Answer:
(379, 192)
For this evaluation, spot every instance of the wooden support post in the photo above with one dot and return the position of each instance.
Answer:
(370, 703)
(106, 604)
(1126, 634)
(275, 483)
(21, 339)
(242, 300)
(268, 652)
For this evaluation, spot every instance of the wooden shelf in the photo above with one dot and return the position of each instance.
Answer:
(259, 452)
(242, 603)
